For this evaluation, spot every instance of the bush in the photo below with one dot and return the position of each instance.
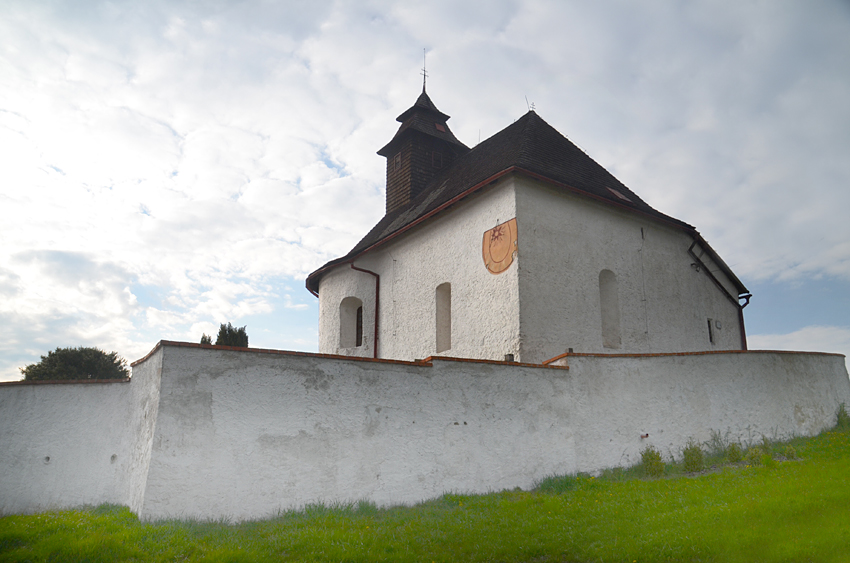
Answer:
(693, 457)
(754, 455)
(206, 339)
(77, 363)
(650, 460)
(766, 445)
(717, 444)
(734, 453)
(229, 335)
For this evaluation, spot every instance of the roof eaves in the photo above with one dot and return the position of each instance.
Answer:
(739, 285)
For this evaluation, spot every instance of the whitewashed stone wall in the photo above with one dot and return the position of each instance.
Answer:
(212, 433)
(69, 444)
(244, 435)
(674, 397)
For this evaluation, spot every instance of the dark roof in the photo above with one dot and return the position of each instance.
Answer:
(530, 146)
(423, 117)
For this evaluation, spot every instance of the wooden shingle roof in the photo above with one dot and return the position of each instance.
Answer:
(421, 117)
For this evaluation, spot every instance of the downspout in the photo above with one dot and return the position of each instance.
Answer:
(746, 296)
(377, 295)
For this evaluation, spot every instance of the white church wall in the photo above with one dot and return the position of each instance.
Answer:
(337, 285)
(566, 241)
(484, 306)
(244, 434)
(69, 444)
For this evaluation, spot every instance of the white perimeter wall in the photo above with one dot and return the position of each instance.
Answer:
(243, 434)
(743, 395)
(246, 434)
(69, 444)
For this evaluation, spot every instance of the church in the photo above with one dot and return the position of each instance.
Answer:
(521, 248)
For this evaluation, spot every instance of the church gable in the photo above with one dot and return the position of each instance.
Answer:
(529, 146)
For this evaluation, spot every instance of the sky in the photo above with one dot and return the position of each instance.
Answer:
(169, 166)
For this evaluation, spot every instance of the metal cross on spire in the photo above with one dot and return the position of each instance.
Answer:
(424, 72)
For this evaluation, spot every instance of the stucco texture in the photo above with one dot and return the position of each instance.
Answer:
(69, 444)
(243, 435)
(548, 300)
(567, 240)
(211, 432)
(485, 307)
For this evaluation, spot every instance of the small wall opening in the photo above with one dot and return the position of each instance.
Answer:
(444, 317)
(350, 323)
(609, 304)
(710, 331)
(437, 159)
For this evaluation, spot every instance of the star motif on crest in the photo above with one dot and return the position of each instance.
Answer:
(497, 233)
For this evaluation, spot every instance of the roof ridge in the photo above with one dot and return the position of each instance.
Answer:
(526, 141)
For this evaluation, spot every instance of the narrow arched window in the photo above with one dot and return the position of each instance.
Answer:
(358, 339)
(444, 317)
(350, 323)
(609, 305)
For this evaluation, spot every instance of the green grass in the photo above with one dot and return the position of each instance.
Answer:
(790, 510)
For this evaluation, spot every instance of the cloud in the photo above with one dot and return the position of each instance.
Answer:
(835, 339)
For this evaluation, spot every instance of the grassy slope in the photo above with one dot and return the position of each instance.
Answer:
(788, 511)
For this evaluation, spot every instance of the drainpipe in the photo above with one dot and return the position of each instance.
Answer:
(741, 318)
(377, 295)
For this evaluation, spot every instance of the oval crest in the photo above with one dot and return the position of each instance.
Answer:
(499, 247)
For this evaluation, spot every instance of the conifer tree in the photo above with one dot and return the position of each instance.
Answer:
(77, 363)
(229, 335)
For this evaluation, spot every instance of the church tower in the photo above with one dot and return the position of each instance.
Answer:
(420, 149)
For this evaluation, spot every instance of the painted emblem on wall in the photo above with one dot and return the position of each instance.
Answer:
(499, 247)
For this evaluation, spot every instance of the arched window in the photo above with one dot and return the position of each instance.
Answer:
(444, 317)
(350, 323)
(609, 305)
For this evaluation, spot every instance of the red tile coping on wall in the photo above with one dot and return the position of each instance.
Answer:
(64, 381)
(425, 362)
(705, 353)
(497, 362)
(175, 344)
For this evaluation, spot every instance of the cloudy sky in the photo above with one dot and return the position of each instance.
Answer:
(168, 166)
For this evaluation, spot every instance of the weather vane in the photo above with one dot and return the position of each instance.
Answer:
(424, 72)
